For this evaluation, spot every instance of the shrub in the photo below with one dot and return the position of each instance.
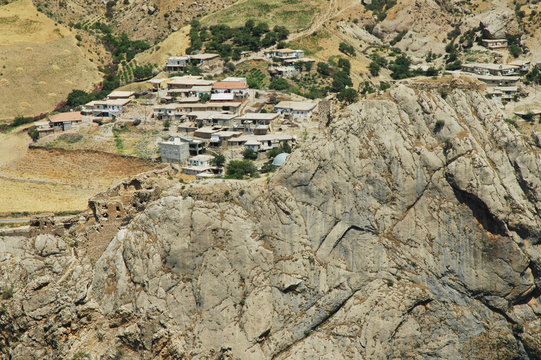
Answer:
(374, 68)
(219, 160)
(238, 169)
(346, 49)
(249, 154)
(323, 68)
(348, 95)
(439, 125)
(279, 84)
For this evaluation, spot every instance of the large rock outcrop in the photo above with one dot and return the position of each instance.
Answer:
(407, 229)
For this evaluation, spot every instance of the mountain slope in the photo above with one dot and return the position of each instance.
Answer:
(39, 60)
(390, 233)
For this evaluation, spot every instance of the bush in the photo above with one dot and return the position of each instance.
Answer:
(346, 49)
(439, 125)
(401, 68)
(515, 50)
(340, 81)
(249, 154)
(348, 95)
(238, 169)
(323, 68)
(279, 84)
(374, 68)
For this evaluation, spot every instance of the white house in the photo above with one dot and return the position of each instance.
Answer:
(177, 63)
(200, 160)
(107, 108)
(284, 54)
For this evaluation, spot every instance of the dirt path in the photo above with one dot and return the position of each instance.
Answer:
(13, 146)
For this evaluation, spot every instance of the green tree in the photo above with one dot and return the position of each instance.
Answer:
(238, 169)
(374, 68)
(249, 154)
(279, 84)
(340, 81)
(219, 160)
(348, 95)
(323, 68)
(346, 49)
(401, 67)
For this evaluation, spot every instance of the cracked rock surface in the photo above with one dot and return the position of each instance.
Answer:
(388, 236)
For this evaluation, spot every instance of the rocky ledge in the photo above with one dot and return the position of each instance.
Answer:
(409, 228)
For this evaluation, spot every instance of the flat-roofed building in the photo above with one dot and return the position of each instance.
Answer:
(66, 120)
(295, 109)
(177, 63)
(121, 95)
(494, 43)
(250, 121)
(174, 150)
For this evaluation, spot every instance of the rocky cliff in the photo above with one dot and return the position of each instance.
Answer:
(409, 228)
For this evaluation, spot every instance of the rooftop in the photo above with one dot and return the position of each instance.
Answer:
(296, 105)
(259, 116)
(202, 157)
(204, 56)
(230, 85)
(112, 102)
(120, 94)
(67, 116)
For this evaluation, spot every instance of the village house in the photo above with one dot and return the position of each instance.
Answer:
(167, 112)
(212, 118)
(222, 137)
(238, 88)
(256, 122)
(206, 132)
(228, 97)
(201, 164)
(494, 43)
(174, 150)
(187, 82)
(295, 109)
(195, 146)
(177, 63)
(106, 108)
(158, 84)
(285, 54)
(187, 127)
(283, 71)
(43, 127)
(121, 95)
(65, 121)
(503, 93)
(499, 80)
(206, 61)
(491, 69)
(230, 107)
(261, 142)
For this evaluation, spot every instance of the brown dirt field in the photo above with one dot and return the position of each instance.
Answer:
(60, 180)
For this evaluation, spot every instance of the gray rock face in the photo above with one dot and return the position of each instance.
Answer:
(387, 236)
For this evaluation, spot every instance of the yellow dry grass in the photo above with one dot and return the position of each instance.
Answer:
(55, 180)
(174, 45)
(40, 58)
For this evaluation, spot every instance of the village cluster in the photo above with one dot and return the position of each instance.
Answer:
(206, 116)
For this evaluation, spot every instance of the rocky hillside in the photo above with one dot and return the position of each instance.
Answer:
(150, 20)
(409, 227)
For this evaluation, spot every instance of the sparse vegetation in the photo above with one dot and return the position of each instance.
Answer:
(239, 169)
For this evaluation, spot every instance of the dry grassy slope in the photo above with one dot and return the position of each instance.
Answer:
(57, 180)
(40, 62)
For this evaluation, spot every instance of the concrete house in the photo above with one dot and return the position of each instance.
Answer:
(491, 69)
(494, 43)
(167, 112)
(177, 63)
(284, 54)
(295, 109)
(206, 61)
(251, 122)
(107, 108)
(499, 80)
(174, 150)
(200, 160)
